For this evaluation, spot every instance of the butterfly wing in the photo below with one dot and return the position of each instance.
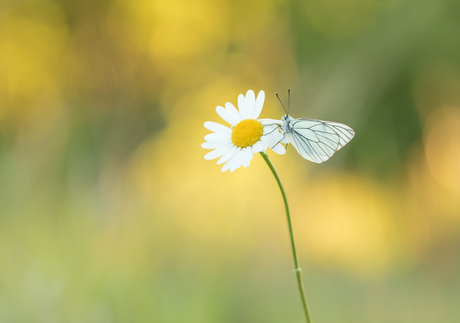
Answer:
(318, 140)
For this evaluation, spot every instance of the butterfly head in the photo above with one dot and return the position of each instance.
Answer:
(285, 121)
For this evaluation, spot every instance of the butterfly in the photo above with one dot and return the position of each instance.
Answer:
(315, 140)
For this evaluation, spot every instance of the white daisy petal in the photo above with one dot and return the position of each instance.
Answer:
(218, 137)
(258, 105)
(250, 104)
(216, 144)
(242, 106)
(268, 140)
(271, 129)
(233, 111)
(229, 162)
(259, 147)
(224, 114)
(247, 157)
(217, 127)
(279, 149)
(227, 155)
(275, 135)
(267, 122)
(274, 143)
(237, 160)
(226, 166)
(211, 145)
(216, 153)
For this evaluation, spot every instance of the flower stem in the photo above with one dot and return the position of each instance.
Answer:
(297, 269)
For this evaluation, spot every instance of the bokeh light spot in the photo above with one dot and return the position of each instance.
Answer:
(442, 146)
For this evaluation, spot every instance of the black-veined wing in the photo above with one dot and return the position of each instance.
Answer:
(318, 140)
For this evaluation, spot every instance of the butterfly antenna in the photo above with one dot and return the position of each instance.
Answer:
(281, 102)
(289, 100)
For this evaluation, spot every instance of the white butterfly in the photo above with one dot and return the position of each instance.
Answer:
(315, 140)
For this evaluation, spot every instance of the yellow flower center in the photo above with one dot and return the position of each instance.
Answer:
(247, 132)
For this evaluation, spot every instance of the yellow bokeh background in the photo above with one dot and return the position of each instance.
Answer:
(109, 212)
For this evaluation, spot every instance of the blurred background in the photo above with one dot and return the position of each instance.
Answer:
(109, 212)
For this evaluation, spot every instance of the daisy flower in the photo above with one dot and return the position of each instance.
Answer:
(247, 135)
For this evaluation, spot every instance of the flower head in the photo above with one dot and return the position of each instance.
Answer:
(247, 135)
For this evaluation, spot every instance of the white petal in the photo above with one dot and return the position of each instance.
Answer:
(247, 156)
(258, 105)
(259, 147)
(229, 162)
(271, 129)
(218, 137)
(224, 114)
(216, 144)
(273, 137)
(216, 153)
(227, 155)
(242, 106)
(278, 136)
(267, 122)
(250, 103)
(217, 127)
(274, 143)
(226, 166)
(233, 111)
(270, 140)
(237, 160)
(279, 149)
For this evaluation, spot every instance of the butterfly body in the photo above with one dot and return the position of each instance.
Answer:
(315, 140)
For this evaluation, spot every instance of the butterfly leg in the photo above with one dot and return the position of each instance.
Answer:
(274, 124)
(279, 143)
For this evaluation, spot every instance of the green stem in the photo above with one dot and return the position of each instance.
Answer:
(297, 269)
